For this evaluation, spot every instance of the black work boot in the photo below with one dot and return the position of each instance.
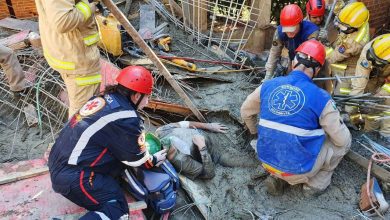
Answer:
(275, 186)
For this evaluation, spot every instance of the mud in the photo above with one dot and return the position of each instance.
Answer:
(235, 192)
(239, 192)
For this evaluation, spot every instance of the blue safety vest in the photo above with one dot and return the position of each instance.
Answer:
(289, 134)
(307, 28)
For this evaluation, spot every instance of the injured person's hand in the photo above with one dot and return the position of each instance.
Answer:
(160, 157)
(217, 127)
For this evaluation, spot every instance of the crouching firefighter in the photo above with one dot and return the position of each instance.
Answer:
(301, 137)
(96, 145)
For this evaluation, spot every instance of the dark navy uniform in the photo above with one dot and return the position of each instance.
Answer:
(93, 148)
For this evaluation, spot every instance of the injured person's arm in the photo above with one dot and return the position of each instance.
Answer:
(188, 166)
(214, 127)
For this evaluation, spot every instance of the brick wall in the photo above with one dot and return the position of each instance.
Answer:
(3, 9)
(379, 12)
(21, 8)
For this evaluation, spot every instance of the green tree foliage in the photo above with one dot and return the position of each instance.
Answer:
(277, 6)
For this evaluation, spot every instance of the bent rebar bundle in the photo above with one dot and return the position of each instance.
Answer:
(44, 96)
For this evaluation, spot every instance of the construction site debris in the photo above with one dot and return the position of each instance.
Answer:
(149, 52)
(377, 171)
(200, 198)
(16, 41)
(20, 25)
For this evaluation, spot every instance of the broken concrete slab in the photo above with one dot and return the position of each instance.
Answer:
(16, 41)
(20, 25)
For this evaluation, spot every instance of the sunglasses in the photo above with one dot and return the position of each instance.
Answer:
(345, 28)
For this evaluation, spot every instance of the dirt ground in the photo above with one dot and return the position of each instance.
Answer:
(235, 192)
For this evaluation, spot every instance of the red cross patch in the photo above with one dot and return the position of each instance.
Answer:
(92, 106)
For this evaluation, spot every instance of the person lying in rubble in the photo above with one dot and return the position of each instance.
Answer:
(301, 136)
(99, 142)
(193, 151)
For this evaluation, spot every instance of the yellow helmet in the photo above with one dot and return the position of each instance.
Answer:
(354, 14)
(379, 53)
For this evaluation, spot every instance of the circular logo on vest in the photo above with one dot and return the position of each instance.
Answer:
(92, 106)
(286, 100)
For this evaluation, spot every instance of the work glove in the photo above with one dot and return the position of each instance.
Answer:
(347, 121)
(323, 35)
(217, 127)
(160, 157)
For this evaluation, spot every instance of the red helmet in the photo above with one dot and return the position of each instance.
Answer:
(314, 49)
(291, 15)
(315, 7)
(136, 78)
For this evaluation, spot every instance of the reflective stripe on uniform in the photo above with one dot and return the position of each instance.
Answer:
(138, 162)
(373, 117)
(133, 183)
(339, 66)
(53, 62)
(88, 80)
(85, 9)
(274, 171)
(363, 34)
(93, 129)
(291, 129)
(102, 215)
(91, 39)
(345, 91)
(328, 50)
(386, 87)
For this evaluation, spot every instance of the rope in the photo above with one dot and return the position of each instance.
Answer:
(379, 158)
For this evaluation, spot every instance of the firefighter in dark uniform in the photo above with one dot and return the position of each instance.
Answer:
(99, 142)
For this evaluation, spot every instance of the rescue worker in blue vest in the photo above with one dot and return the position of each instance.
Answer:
(97, 144)
(301, 137)
(291, 32)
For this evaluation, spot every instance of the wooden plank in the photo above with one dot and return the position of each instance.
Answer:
(34, 198)
(198, 195)
(149, 52)
(20, 25)
(170, 107)
(376, 170)
(13, 177)
(175, 9)
(137, 205)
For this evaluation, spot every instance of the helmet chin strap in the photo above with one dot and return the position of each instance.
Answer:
(307, 63)
(139, 100)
